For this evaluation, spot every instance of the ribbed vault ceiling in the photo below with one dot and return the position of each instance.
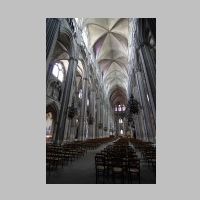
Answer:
(108, 38)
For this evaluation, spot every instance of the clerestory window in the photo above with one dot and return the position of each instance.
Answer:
(58, 71)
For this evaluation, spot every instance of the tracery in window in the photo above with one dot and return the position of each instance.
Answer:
(123, 108)
(58, 71)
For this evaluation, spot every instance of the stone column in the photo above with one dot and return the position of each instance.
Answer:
(150, 75)
(101, 115)
(143, 99)
(142, 122)
(90, 131)
(65, 100)
(98, 120)
(83, 117)
(68, 133)
(138, 130)
(55, 128)
(138, 126)
(92, 113)
(52, 32)
(104, 119)
(73, 129)
(107, 123)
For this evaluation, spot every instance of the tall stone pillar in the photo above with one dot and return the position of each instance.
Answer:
(138, 130)
(139, 124)
(144, 101)
(104, 119)
(101, 121)
(107, 123)
(109, 120)
(98, 120)
(71, 129)
(52, 31)
(83, 117)
(65, 100)
(92, 113)
(55, 128)
(143, 126)
(150, 76)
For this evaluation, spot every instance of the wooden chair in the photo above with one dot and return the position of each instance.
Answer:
(134, 169)
(100, 166)
(117, 169)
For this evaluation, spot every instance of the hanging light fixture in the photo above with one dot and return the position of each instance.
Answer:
(90, 119)
(131, 109)
(133, 105)
(72, 110)
(100, 125)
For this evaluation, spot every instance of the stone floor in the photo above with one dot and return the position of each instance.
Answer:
(82, 171)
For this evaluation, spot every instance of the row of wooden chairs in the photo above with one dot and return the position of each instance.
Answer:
(58, 155)
(147, 149)
(117, 162)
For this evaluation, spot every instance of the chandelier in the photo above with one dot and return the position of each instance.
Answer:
(132, 109)
(105, 128)
(100, 125)
(72, 110)
(90, 120)
(133, 106)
